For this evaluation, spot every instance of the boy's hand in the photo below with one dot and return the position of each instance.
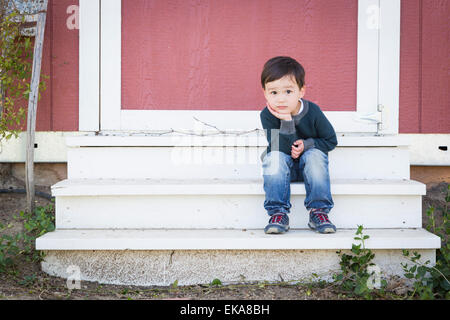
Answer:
(279, 115)
(297, 149)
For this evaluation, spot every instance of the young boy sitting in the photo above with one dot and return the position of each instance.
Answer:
(299, 137)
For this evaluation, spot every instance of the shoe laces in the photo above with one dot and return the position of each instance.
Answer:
(322, 216)
(277, 218)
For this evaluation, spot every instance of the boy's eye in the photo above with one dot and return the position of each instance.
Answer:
(288, 92)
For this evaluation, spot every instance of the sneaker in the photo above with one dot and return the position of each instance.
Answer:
(278, 223)
(318, 221)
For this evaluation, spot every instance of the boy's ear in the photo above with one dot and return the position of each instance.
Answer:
(303, 91)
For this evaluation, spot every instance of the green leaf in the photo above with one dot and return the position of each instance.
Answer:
(445, 285)
(421, 271)
(356, 248)
(359, 231)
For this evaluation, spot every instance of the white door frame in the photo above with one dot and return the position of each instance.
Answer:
(378, 69)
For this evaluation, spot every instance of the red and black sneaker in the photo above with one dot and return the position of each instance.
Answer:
(318, 221)
(278, 223)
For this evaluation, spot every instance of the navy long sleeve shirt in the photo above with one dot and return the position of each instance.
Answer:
(310, 125)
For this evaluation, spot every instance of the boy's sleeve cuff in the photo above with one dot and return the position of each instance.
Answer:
(287, 127)
(308, 144)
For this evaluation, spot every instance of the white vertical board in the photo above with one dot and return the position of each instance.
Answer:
(89, 65)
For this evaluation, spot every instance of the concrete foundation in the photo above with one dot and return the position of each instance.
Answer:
(189, 267)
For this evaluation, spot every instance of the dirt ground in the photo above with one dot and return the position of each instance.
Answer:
(28, 282)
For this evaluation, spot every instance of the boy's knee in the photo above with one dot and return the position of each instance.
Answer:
(316, 163)
(314, 155)
(275, 162)
(275, 156)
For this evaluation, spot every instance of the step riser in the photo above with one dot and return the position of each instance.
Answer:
(229, 211)
(224, 162)
(189, 267)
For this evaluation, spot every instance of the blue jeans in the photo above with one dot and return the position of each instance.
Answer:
(280, 169)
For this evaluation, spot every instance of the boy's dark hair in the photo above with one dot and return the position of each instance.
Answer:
(278, 67)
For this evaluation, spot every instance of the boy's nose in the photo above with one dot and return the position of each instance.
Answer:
(282, 99)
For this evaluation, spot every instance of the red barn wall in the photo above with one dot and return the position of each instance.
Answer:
(58, 107)
(424, 62)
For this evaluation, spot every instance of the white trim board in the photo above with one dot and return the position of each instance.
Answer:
(377, 78)
(224, 120)
(89, 64)
(51, 147)
(254, 139)
(429, 149)
(424, 148)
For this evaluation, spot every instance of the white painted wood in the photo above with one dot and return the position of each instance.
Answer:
(370, 14)
(235, 211)
(212, 138)
(429, 149)
(227, 204)
(89, 65)
(367, 53)
(424, 148)
(389, 64)
(102, 187)
(111, 63)
(231, 239)
(51, 147)
(224, 162)
(342, 121)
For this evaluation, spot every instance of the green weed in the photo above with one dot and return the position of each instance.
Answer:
(432, 282)
(356, 278)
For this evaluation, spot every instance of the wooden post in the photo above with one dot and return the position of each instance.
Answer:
(32, 106)
(2, 92)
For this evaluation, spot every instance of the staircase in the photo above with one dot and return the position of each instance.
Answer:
(149, 209)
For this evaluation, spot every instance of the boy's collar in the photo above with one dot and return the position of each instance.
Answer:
(303, 110)
(301, 107)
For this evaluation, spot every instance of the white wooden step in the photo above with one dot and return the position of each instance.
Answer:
(90, 187)
(225, 157)
(250, 239)
(161, 257)
(235, 204)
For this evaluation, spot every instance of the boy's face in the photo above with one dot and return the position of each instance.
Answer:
(283, 95)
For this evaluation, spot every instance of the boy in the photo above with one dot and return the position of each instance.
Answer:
(299, 137)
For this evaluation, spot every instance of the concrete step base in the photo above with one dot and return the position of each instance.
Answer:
(190, 267)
